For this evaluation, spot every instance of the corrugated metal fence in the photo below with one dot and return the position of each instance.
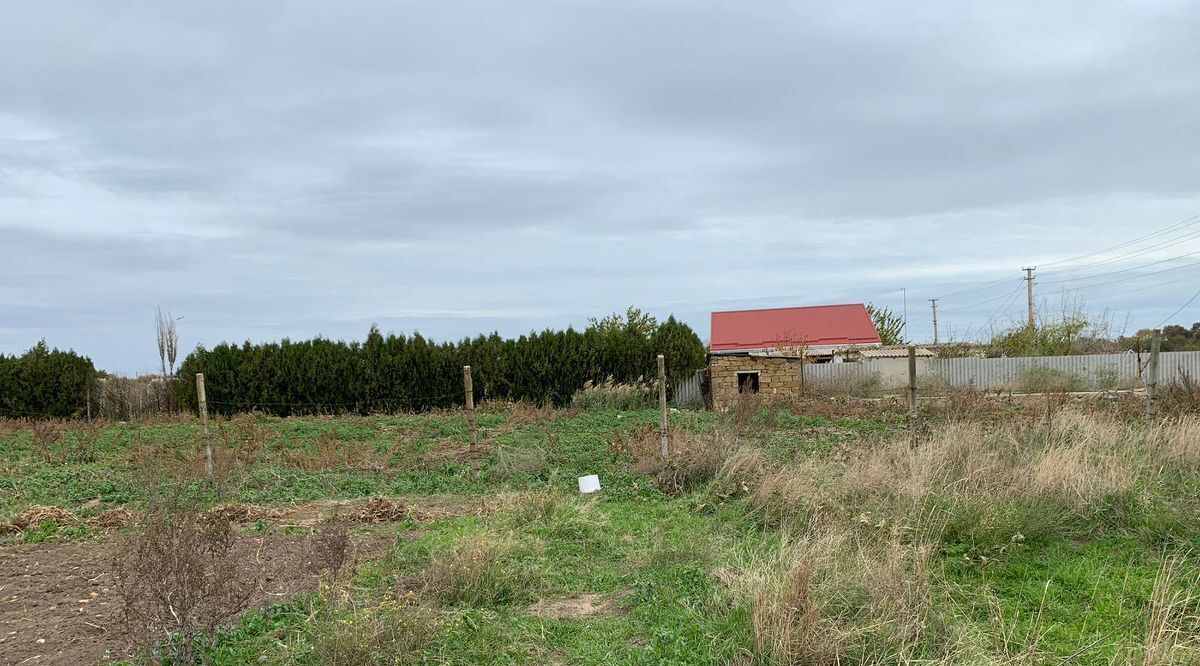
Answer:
(1081, 373)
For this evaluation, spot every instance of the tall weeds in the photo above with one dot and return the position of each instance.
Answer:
(850, 580)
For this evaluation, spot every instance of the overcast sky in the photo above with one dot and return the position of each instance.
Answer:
(292, 169)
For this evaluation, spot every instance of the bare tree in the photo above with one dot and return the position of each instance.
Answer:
(168, 340)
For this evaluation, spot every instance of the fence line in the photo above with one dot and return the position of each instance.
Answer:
(1082, 372)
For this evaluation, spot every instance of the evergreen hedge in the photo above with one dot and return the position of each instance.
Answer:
(45, 382)
(402, 373)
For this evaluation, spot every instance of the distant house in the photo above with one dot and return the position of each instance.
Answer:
(761, 351)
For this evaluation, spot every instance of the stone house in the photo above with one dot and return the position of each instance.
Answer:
(763, 351)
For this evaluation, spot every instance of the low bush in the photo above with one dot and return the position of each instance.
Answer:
(693, 458)
(829, 597)
(356, 634)
(1051, 380)
(479, 570)
(608, 394)
(552, 514)
(180, 579)
(513, 462)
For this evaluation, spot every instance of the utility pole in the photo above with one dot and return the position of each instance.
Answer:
(933, 301)
(1029, 294)
(904, 296)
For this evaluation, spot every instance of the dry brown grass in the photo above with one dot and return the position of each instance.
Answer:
(850, 583)
(829, 597)
(693, 458)
(986, 485)
(1172, 634)
(37, 515)
(1178, 442)
(479, 571)
(740, 472)
(353, 633)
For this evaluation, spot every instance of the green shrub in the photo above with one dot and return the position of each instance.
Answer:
(479, 570)
(410, 373)
(1040, 379)
(609, 394)
(45, 382)
(389, 633)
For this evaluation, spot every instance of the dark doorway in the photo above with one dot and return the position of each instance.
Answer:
(747, 382)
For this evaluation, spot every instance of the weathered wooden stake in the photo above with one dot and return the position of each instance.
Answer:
(662, 404)
(912, 389)
(203, 403)
(1151, 379)
(469, 390)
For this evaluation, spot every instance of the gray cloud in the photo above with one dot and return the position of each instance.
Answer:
(268, 171)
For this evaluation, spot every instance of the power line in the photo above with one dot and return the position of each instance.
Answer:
(1125, 257)
(971, 289)
(1195, 219)
(1181, 309)
(1004, 307)
(1175, 227)
(983, 302)
(1154, 285)
(1126, 270)
(1136, 277)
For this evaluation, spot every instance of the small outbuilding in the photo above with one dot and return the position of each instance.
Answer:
(762, 351)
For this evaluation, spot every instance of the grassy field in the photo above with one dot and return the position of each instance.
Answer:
(773, 535)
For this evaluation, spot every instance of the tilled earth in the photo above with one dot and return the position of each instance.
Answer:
(59, 602)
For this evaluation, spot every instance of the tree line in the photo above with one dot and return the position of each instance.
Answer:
(45, 382)
(410, 372)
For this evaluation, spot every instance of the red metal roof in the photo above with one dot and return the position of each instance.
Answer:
(813, 326)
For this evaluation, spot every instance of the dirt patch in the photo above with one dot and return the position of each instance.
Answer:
(377, 510)
(372, 511)
(59, 603)
(449, 450)
(34, 516)
(242, 513)
(579, 608)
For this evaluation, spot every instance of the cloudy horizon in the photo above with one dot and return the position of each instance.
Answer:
(273, 170)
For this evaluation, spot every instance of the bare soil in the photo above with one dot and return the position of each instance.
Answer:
(579, 608)
(59, 602)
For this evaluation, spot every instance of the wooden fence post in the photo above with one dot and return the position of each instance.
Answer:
(203, 404)
(469, 391)
(1151, 380)
(662, 404)
(912, 389)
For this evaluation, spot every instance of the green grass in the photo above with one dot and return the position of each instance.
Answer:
(1062, 598)
(655, 555)
(1070, 587)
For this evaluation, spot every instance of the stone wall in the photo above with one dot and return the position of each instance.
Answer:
(776, 376)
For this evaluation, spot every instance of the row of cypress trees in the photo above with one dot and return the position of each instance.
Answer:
(410, 372)
(45, 382)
